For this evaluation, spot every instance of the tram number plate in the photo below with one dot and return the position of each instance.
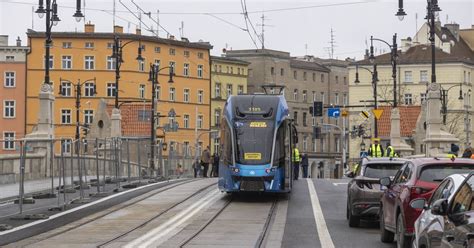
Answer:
(253, 156)
(258, 124)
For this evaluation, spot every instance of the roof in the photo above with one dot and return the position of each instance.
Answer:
(132, 126)
(301, 64)
(408, 116)
(229, 60)
(99, 35)
(383, 159)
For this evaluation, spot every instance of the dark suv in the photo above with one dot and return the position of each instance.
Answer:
(364, 190)
(416, 179)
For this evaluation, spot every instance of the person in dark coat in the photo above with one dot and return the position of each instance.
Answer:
(454, 149)
(205, 161)
(215, 165)
(304, 165)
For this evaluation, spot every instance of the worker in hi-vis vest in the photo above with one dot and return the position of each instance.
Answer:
(296, 163)
(375, 149)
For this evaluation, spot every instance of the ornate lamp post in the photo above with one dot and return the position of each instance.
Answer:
(375, 79)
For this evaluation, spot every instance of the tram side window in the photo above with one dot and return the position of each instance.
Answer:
(279, 153)
(226, 143)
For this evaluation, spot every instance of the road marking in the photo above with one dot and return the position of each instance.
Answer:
(82, 207)
(337, 184)
(155, 236)
(323, 232)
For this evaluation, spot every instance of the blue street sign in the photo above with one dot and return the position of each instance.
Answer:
(363, 154)
(334, 112)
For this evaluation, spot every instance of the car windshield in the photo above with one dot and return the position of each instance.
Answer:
(382, 170)
(437, 172)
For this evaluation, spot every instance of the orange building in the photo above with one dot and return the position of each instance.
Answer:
(12, 93)
(83, 57)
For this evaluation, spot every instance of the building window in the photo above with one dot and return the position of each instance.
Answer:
(157, 49)
(314, 96)
(67, 62)
(66, 146)
(408, 99)
(216, 145)
(272, 70)
(89, 62)
(10, 58)
(199, 72)
(338, 144)
(186, 121)
(141, 65)
(337, 79)
(336, 98)
(315, 147)
(67, 44)
(314, 77)
(238, 70)
(305, 119)
(110, 63)
(111, 89)
(51, 62)
(89, 45)
(305, 96)
(322, 97)
(157, 64)
(172, 51)
(295, 117)
(200, 55)
(88, 116)
(186, 95)
(240, 89)
(345, 80)
(423, 76)
(408, 77)
(186, 53)
(199, 121)
(305, 143)
(157, 92)
(8, 141)
(172, 93)
(9, 80)
(89, 89)
(186, 149)
(66, 116)
(423, 97)
(295, 95)
(172, 66)
(322, 78)
(345, 100)
(229, 90)
(9, 109)
(282, 72)
(186, 69)
(200, 96)
(217, 117)
(217, 90)
(295, 75)
(141, 91)
(110, 45)
(66, 88)
(304, 76)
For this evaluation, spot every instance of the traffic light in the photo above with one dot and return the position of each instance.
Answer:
(360, 131)
(316, 132)
(317, 108)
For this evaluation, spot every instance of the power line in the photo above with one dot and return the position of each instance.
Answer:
(246, 24)
(149, 16)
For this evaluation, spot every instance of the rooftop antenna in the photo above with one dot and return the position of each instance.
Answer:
(333, 44)
(416, 27)
(263, 25)
(305, 49)
(157, 23)
(84, 11)
(32, 17)
(114, 13)
(181, 29)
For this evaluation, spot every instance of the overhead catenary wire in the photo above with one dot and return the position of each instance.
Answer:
(247, 26)
(149, 16)
(138, 17)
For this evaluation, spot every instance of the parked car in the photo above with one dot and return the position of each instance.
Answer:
(364, 190)
(428, 226)
(416, 179)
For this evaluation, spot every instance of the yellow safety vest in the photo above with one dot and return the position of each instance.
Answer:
(392, 152)
(376, 151)
(296, 155)
(451, 156)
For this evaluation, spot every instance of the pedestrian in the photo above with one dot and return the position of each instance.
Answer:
(375, 149)
(205, 160)
(467, 153)
(390, 151)
(197, 168)
(304, 165)
(296, 163)
(215, 165)
(179, 170)
(454, 149)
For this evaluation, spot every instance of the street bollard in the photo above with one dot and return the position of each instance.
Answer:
(128, 160)
(105, 163)
(22, 173)
(78, 151)
(97, 164)
(63, 166)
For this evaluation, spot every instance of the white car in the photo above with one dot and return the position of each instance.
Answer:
(427, 225)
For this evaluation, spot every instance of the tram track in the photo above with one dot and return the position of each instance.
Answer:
(264, 234)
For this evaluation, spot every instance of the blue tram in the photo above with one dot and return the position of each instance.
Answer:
(257, 138)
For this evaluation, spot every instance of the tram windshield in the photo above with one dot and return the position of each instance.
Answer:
(254, 141)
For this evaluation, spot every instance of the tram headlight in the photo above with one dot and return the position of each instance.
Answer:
(236, 170)
(268, 171)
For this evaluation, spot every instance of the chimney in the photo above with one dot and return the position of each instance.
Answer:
(138, 31)
(171, 37)
(184, 39)
(406, 44)
(18, 42)
(454, 29)
(89, 28)
(366, 55)
(118, 29)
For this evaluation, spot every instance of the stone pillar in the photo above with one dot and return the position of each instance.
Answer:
(116, 127)
(437, 141)
(396, 141)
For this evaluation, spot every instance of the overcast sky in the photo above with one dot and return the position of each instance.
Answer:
(299, 27)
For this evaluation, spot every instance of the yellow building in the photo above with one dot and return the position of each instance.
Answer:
(454, 67)
(80, 57)
(228, 77)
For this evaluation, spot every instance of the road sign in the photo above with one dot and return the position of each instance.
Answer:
(364, 114)
(363, 154)
(334, 112)
(344, 113)
(377, 113)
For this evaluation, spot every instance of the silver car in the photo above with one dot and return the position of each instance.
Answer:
(428, 226)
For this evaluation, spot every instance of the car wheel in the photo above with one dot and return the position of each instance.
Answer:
(402, 240)
(385, 235)
(354, 221)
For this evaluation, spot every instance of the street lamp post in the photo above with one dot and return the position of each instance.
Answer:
(375, 79)
(52, 8)
(444, 101)
(117, 56)
(153, 78)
